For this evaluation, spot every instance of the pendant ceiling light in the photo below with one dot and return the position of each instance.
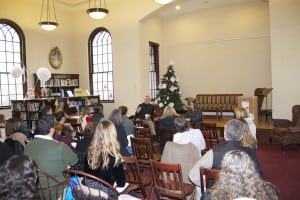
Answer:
(48, 20)
(97, 12)
(163, 1)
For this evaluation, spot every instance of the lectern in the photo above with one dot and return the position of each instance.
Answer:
(262, 93)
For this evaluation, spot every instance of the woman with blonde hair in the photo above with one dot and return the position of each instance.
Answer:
(167, 118)
(103, 158)
(243, 115)
(85, 117)
(238, 178)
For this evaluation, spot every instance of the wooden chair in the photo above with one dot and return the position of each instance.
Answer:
(134, 178)
(144, 132)
(138, 123)
(143, 150)
(167, 135)
(85, 186)
(208, 177)
(210, 134)
(49, 188)
(168, 182)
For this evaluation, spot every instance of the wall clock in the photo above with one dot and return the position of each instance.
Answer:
(55, 58)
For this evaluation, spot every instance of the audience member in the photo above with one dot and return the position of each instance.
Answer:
(64, 131)
(98, 113)
(167, 118)
(2, 128)
(18, 178)
(104, 159)
(5, 152)
(233, 133)
(23, 126)
(46, 110)
(145, 112)
(239, 178)
(194, 113)
(85, 117)
(243, 115)
(127, 123)
(12, 128)
(116, 118)
(186, 135)
(50, 156)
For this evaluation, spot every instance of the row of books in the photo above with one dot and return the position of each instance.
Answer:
(62, 82)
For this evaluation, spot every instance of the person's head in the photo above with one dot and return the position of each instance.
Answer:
(240, 113)
(181, 124)
(238, 178)
(147, 99)
(116, 117)
(46, 110)
(60, 116)
(12, 126)
(234, 130)
(90, 127)
(18, 178)
(86, 111)
(17, 114)
(123, 110)
(169, 111)
(103, 144)
(98, 108)
(45, 125)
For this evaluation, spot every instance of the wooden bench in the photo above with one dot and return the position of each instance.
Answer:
(218, 103)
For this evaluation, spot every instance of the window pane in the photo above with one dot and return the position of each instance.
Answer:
(11, 51)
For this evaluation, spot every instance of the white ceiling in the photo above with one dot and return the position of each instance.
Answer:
(186, 5)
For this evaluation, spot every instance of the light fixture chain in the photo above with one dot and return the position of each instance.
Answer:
(54, 10)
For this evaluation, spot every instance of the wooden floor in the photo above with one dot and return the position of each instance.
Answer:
(263, 127)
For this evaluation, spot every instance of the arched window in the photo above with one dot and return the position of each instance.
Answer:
(12, 53)
(100, 65)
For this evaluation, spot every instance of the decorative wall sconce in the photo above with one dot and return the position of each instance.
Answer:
(97, 12)
(48, 19)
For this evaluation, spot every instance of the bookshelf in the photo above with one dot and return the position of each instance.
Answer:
(58, 85)
(71, 105)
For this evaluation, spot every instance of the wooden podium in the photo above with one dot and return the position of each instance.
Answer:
(250, 104)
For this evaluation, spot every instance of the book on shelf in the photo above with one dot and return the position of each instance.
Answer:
(78, 92)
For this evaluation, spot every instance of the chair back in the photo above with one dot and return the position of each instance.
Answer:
(49, 188)
(144, 132)
(133, 176)
(210, 134)
(167, 135)
(85, 186)
(208, 177)
(138, 123)
(296, 115)
(168, 181)
(143, 150)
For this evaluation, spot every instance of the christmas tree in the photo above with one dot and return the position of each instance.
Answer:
(169, 93)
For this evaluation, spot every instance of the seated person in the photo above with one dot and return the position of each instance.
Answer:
(127, 123)
(145, 112)
(50, 155)
(12, 130)
(116, 118)
(85, 117)
(243, 115)
(186, 135)
(18, 178)
(104, 159)
(239, 178)
(5, 152)
(194, 113)
(212, 159)
(98, 115)
(23, 126)
(167, 118)
(64, 129)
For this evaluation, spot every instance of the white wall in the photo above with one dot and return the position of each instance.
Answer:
(285, 48)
